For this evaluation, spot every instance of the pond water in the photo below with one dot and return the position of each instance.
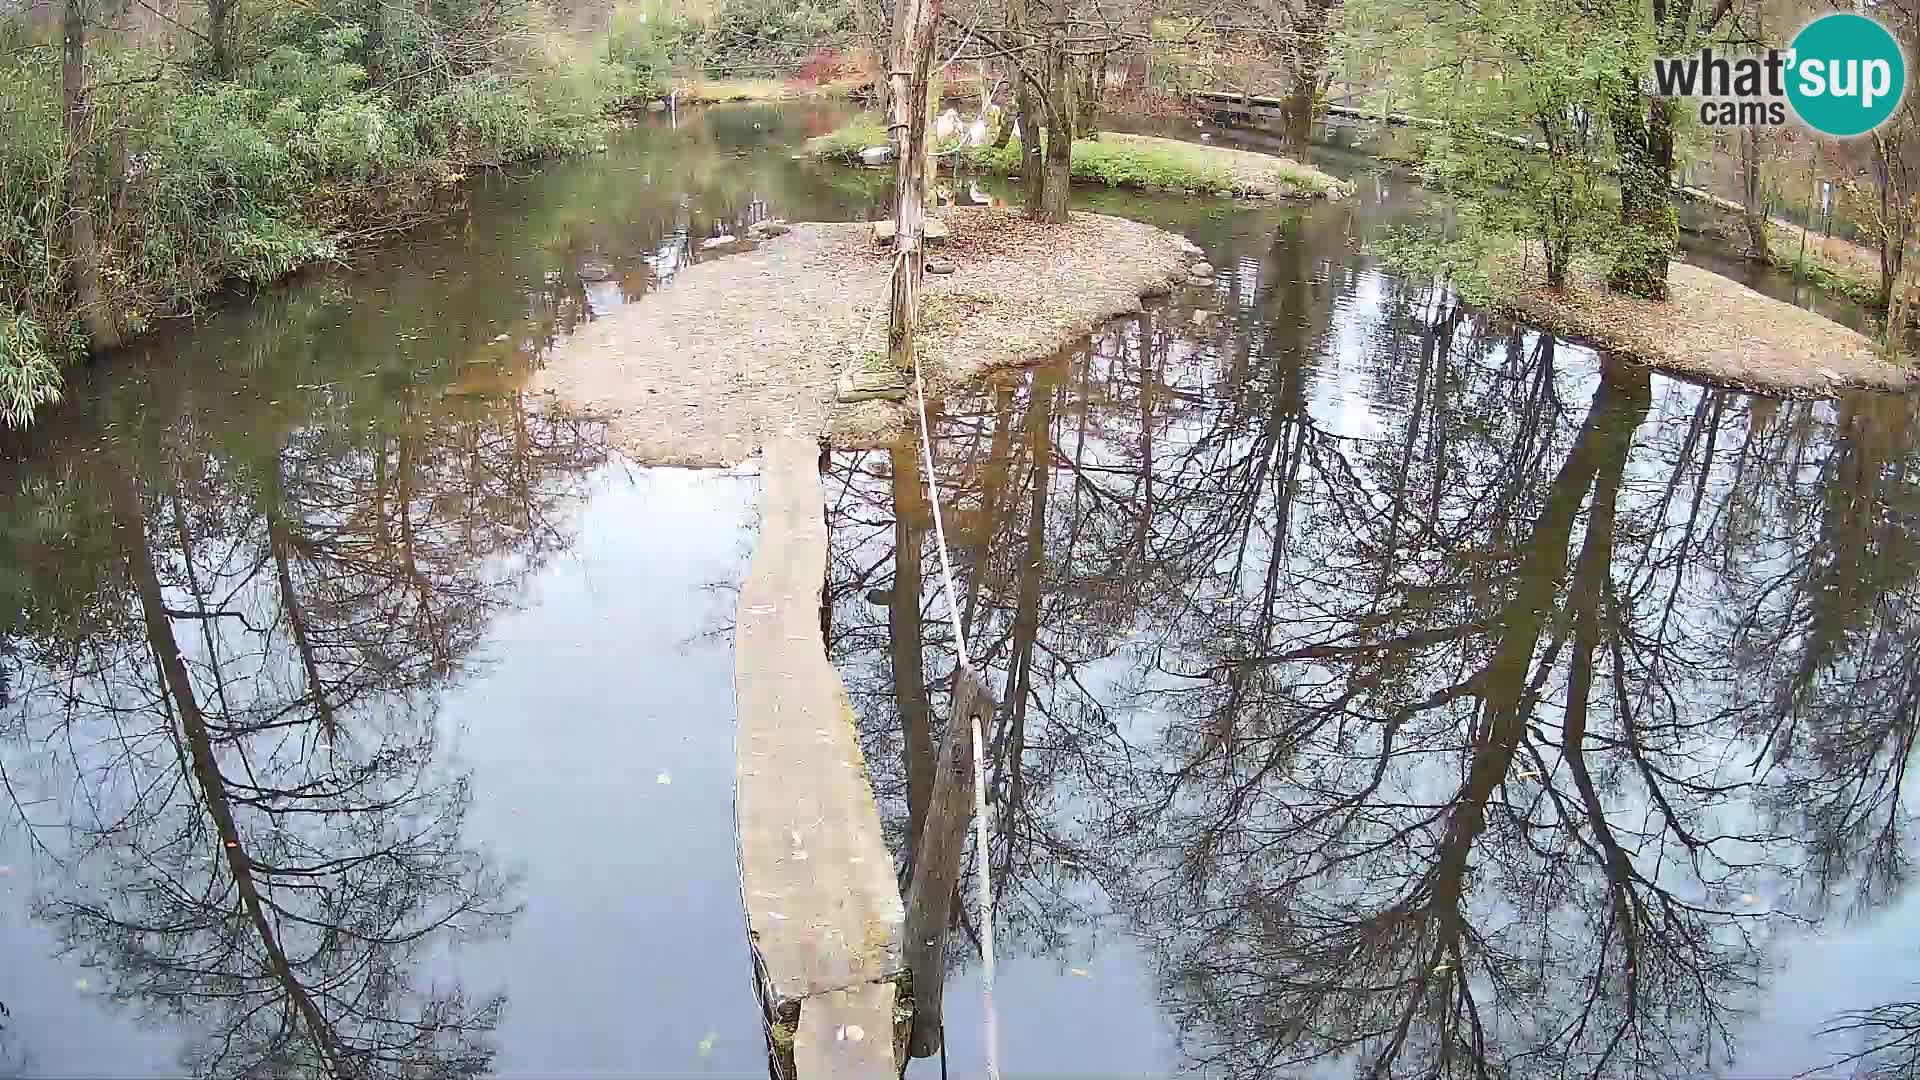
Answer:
(1386, 687)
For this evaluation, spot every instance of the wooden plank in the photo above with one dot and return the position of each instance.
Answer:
(823, 910)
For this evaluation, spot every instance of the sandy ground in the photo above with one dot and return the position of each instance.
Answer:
(752, 344)
(1710, 327)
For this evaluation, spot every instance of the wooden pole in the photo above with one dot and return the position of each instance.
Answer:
(907, 77)
(936, 861)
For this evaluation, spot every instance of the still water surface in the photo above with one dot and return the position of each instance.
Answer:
(1386, 687)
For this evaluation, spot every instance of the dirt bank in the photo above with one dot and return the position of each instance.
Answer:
(1710, 327)
(752, 344)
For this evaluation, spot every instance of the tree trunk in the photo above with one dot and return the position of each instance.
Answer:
(1753, 207)
(1297, 133)
(1059, 104)
(1033, 169)
(1892, 177)
(1900, 293)
(1033, 176)
(1087, 101)
(1307, 58)
(937, 851)
(912, 59)
(220, 36)
(866, 56)
(83, 249)
(1643, 132)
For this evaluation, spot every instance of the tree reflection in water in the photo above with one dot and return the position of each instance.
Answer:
(1434, 697)
(228, 728)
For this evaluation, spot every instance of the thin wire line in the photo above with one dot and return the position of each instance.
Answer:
(980, 837)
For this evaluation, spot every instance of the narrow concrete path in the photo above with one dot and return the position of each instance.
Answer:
(823, 911)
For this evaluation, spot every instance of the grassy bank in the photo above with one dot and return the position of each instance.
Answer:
(1128, 161)
(1834, 265)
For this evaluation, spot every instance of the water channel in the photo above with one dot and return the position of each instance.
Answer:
(1389, 688)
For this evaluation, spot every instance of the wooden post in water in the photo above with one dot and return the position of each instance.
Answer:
(936, 861)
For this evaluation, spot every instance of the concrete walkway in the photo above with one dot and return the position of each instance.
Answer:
(823, 911)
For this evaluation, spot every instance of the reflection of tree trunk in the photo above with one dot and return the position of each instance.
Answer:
(380, 494)
(1619, 404)
(280, 542)
(131, 526)
(409, 563)
(937, 850)
(1026, 616)
(992, 488)
(903, 619)
(1404, 473)
(1599, 450)
(1591, 586)
(1149, 376)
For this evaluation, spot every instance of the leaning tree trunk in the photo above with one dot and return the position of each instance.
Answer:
(83, 247)
(908, 77)
(1643, 133)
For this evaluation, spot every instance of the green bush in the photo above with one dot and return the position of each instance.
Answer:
(768, 37)
(29, 377)
(642, 40)
(339, 112)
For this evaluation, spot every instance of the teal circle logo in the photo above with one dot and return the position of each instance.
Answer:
(1846, 75)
